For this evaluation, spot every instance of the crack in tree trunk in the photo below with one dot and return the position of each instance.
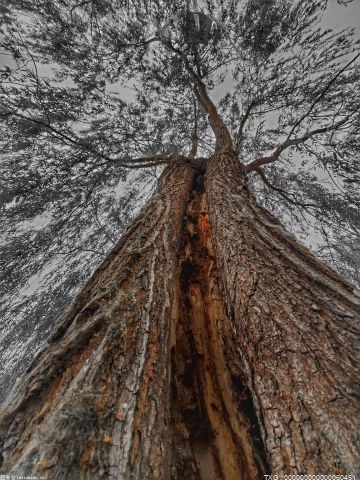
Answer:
(216, 435)
(208, 345)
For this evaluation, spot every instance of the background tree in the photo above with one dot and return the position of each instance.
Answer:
(73, 140)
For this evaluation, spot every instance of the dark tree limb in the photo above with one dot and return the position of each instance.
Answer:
(194, 138)
(240, 134)
(221, 132)
(36, 73)
(321, 95)
(222, 135)
(282, 192)
(291, 143)
(135, 163)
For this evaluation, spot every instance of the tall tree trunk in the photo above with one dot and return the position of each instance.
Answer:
(208, 345)
(296, 324)
(96, 401)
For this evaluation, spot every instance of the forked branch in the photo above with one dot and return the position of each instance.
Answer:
(289, 143)
(321, 95)
(222, 135)
(132, 163)
(253, 166)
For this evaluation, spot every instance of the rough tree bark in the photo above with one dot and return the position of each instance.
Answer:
(296, 324)
(208, 345)
(96, 401)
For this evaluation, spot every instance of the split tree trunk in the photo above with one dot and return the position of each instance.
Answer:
(208, 345)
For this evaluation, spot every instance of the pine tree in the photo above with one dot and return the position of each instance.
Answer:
(208, 343)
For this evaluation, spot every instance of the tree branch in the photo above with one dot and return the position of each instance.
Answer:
(282, 192)
(149, 164)
(36, 73)
(194, 138)
(240, 134)
(162, 158)
(142, 162)
(321, 95)
(222, 135)
(63, 136)
(291, 143)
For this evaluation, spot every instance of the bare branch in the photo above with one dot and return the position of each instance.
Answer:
(141, 162)
(240, 134)
(194, 138)
(221, 132)
(62, 135)
(291, 143)
(162, 158)
(282, 192)
(38, 86)
(322, 94)
(148, 164)
(222, 135)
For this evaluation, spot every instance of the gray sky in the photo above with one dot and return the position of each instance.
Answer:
(340, 16)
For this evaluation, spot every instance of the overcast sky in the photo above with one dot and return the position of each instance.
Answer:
(343, 16)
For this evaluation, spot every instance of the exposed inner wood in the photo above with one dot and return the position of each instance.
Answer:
(216, 435)
(148, 373)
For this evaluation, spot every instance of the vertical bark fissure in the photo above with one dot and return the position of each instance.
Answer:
(216, 435)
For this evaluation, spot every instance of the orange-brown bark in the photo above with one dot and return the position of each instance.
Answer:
(95, 403)
(208, 345)
(213, 436)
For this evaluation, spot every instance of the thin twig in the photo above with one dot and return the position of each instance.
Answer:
(321, 95)
(243, 121)
(282, 192)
